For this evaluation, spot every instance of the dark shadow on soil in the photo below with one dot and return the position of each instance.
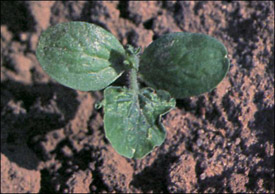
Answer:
(71, 159)
(231, 110)
(155, 178)
(16, 15)
(28, 112)
(91, 12)
(266, 174)
(125, 12)
(216, 182)
(264, 124)
(264, 119)
(245, 31)
(69, 165)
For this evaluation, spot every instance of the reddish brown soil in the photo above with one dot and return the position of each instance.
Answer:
(52, 139)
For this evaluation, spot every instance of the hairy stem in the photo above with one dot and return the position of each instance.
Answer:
(133, 61)
(133, 81)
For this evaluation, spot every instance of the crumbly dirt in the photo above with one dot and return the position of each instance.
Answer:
(52, 138)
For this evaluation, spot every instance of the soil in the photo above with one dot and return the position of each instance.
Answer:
(52, 138)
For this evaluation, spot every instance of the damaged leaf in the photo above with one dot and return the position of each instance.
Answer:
(132, 123)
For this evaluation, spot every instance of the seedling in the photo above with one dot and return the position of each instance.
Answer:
(86, 57)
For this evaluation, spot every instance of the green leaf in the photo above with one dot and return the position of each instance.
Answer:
(80, 55)
(132, 123)
(184, 64)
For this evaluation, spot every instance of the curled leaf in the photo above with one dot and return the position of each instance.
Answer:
(132, 123)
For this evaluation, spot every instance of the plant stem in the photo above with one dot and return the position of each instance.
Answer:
(133, 81)
(133, 61)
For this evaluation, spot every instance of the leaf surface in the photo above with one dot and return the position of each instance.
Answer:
(80, 55)
(184, 64)
(132, 124)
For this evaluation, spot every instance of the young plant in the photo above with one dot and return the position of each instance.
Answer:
(86, 57)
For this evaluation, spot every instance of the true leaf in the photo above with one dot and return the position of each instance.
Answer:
(132, 123)
(184, 64)
(80, 55)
